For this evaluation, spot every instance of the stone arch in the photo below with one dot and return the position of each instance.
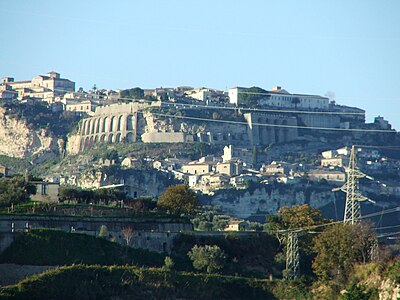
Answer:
(268, 132)
(83, 127)
(118, 137)
(129, 122)
(277, 131)
(102, 138)
(91, 126)
(82, 145)
(130, 137)
(86, 143)
(119, 124)
(91, 141)
(98, 125)
(110, 138)
(87, 127)
(106, 124)
(114, 124)
(94, 125)
(96, 139)
(285, 131)
(260, 131)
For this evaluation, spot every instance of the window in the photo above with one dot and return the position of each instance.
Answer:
(44, 189)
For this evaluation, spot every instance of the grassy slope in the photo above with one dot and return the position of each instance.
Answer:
(99, 282)
(54, 247)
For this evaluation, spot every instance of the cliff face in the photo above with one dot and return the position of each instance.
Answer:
(244, 204)
(18, 140)
(138, 182)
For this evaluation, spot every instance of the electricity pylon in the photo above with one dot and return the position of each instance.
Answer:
(374, 250)
(292, 255)
(352, 212)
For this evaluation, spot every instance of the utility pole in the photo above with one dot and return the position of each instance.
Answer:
(292, 255)
(352, 212)
(374, 250)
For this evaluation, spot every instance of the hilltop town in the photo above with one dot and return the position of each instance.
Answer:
(254, 137)
(158, 174)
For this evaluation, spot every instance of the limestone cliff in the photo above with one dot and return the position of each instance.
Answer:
(245, 203)
(137, 182)
(20, 141)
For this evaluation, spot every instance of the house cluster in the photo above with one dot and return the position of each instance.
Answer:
(234, 169)
(185, 93)
(58, 92)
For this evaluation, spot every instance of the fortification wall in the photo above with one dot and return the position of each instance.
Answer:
(149, 234)
(164, 137)
(129, 123)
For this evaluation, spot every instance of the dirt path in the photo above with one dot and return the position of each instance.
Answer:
(13, 273)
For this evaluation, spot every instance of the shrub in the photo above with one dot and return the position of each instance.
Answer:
(207, 257)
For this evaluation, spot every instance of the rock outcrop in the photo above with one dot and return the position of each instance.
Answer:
(18, 140)
(245, 203)
(138, 183)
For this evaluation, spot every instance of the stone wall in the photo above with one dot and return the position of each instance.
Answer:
(164, 137)
(131, 122)
(152, 234)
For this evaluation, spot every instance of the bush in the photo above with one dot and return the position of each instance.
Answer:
(207, 257)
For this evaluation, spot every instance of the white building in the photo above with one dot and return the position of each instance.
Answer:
(279, 97)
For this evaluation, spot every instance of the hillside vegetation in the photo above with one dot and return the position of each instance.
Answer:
(55, 247)
(126, 282)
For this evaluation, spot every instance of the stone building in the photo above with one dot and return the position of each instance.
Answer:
(279, 97)
(332, 176)
(338, 161)
(45, 87)
(46, 191)
(3, 171)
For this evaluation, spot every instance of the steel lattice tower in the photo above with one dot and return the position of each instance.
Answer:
(352, 212)
(292, 256)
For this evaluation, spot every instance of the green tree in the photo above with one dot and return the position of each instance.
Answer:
(178, 199)
(103, 232)
(68, 193)
(168, 263)
(339, 247)
(210, 258)
(298, 216)
(357, 292)
(135, 93)
(216, 115)
(15, 190)
(251, 96)
(295, 217)
(296, 101)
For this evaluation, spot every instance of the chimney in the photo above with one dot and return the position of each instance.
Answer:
(276, 88)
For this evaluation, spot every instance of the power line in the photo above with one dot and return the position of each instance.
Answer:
(378, 147)
(386, 227)
(388, 234)
(234, 108)
(255, 124)
(275, 125)
(305, 228)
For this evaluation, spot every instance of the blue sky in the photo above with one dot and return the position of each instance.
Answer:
(351, 48)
